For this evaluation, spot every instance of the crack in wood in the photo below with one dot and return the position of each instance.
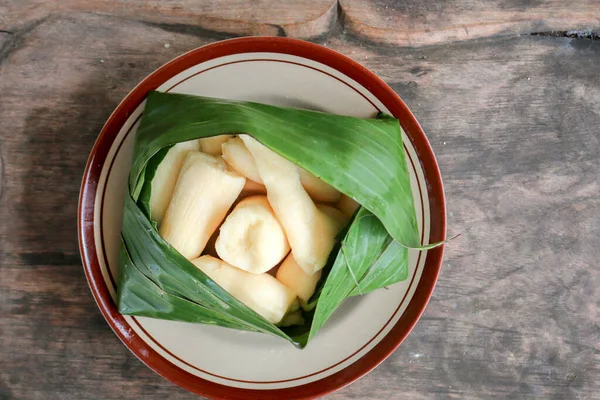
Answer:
(2, 177)
(334, 26)
(49, 258)
(18, 37)
(280, 30)
(340, 18)
(197, 31)
(187, 29)
(573, 34)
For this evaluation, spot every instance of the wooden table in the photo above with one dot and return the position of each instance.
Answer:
(508, 93)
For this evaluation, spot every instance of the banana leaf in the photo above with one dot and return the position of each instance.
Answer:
(362, 158)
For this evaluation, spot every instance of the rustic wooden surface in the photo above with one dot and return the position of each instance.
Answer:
(513, 118)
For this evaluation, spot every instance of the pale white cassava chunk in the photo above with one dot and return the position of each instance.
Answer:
(289, 272)
(251, 238)
(294, 277)
(308, 229)
(240, 159)
(203, 194)
(347, 205)
(212, 145)
(165, 178)
(262, 293)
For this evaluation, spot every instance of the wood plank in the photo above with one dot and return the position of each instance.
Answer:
(416, 22)
(514, 123)
(302, 19)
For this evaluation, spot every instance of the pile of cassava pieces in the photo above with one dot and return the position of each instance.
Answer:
(257, 224)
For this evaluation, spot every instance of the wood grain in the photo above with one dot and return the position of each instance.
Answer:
(302, 19)
(514, 124)
(416, 22)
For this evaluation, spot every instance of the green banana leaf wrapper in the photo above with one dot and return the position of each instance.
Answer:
(362, 158)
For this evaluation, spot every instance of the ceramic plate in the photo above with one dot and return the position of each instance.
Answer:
(222, 363)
